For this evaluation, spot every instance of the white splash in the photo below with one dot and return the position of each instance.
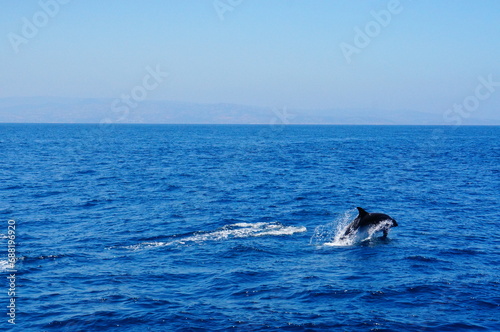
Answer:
(5, 265)
(233, 231)
(330, 234)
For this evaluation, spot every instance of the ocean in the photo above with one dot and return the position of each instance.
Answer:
(232, 228)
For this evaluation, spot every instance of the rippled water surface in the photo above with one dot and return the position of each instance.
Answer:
(230, 228)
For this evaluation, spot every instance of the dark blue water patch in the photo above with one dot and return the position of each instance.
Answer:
(12, 187)
(424, 259)
(6, 211)
(85, 172)
(462, 252)
(250, 251)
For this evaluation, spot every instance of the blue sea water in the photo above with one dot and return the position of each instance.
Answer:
(231, 228)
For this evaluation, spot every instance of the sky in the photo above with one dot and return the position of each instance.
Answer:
(424, 56)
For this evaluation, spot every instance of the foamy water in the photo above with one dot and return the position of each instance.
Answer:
(5, 265)
(233, 231)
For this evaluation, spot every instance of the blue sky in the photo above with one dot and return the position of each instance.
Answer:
(427, 56)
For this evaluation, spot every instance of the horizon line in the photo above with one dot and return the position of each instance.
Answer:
(247, 124)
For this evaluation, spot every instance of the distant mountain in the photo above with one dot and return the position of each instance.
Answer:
(78, 110)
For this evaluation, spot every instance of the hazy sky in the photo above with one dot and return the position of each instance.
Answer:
(422, 55)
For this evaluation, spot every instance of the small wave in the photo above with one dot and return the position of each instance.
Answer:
(12, 187)
(420, 258)
(47, 194)
(233, 231)
(5, 265)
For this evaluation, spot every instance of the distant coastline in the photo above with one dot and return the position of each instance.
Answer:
(101, 111)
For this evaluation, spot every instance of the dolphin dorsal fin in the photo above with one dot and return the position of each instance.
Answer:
(362, 212)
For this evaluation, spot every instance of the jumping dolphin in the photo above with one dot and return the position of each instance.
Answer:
(365, 220)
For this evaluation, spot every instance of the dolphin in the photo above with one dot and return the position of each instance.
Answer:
(365, 220)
